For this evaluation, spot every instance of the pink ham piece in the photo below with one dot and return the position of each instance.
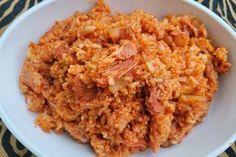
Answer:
(34, 80)
(61, 51)
(119, 70)
(155, 105)
(127, 50)
(116, 72)
(102, 82)
(83, 93)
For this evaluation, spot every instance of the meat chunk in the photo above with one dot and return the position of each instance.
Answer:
(33, 79)
(82, 92)
(127, 50)
(154, 104)
(62, 51)
(116, 72)
(119, 70)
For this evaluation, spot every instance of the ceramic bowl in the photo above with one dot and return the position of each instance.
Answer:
(209, 138)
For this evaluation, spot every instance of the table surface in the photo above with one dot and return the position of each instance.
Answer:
(10, 9)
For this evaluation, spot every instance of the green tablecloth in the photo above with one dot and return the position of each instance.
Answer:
(10, 9)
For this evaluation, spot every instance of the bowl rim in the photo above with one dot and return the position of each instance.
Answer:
(34, 149)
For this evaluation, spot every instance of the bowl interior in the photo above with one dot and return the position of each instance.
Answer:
(205, 139)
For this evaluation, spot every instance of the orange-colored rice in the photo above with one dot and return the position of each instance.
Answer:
(125, 82)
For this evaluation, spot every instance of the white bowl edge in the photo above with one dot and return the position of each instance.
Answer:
(34, 149)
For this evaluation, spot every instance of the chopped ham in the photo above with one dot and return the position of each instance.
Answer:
(127, 50)
(61, 51)
(116, 72)
(189, 29)
(102, 82)
(34, 80)
(155, 105)
(82, 92)
(122, 68)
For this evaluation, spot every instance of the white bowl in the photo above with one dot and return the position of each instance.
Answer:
(210, 138)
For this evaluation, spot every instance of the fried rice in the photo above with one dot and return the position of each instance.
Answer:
(122, 82)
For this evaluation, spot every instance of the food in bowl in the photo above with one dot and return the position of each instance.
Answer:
(124, 82)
